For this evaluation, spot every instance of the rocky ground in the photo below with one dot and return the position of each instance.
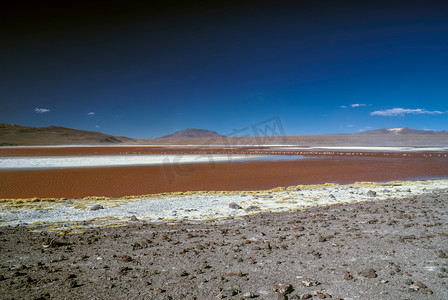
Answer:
(389, 249)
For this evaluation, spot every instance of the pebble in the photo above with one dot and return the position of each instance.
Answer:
(368, 273)
(233, 205)
(371, 193)
(249, 295)
(347, 276)
(97, 207)
(283, 288)
(231, 292)
(310, 282)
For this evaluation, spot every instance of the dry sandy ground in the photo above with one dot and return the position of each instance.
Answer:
(389, 249)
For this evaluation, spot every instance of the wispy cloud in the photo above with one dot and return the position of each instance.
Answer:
(398, 111)
(355, 105)
(359, 105)
(41, 110)
(91, 113)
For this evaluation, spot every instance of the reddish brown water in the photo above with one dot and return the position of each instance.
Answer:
(120, 181)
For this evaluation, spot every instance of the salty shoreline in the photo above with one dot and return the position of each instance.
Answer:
(197, 206)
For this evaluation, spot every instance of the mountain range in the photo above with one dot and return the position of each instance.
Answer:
(11, 135)
(192, 133)
(17, 135)
(404, 130)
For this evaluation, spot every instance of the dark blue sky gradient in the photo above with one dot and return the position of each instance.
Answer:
(149, 68)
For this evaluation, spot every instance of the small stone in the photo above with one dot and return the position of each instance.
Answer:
(442, 254)
(233, 205)
(408, 281)
(368, 273)
(69, 276)
(134, 218)
(347, 276)
(300, 228)
(371, 193)
(426, 291)
(97, 207)
(127, 258)
(249, 295)
(420, 285)
(72, 284)
(321, 239)
(310, 283)
(306, 296)
(283, 288)
(231, 292)
(238, 274)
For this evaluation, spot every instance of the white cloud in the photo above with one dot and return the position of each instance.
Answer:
(349, 125)
(360, 105)
(343, 106)
(398, 111)
(41, 110)
(91, 113)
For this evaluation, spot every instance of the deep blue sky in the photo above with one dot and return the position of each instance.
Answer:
(146, 70)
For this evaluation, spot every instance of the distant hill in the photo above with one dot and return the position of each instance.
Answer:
(11, 135)
(404, 130)
(193, 133)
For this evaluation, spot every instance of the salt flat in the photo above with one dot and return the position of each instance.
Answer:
(205, 205)
(83, 161)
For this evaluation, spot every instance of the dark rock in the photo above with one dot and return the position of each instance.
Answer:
(127, 258)
(420, 285)
(426, 291)
(368, 273)
(231, 292)
(300, 228)
(69, 276)
(235, 206)
(97, 207)
(133, 218)
(442, 254)
(283, 288)
(73, 284)
(321, 239)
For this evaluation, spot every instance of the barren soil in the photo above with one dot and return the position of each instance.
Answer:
(392, 249)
